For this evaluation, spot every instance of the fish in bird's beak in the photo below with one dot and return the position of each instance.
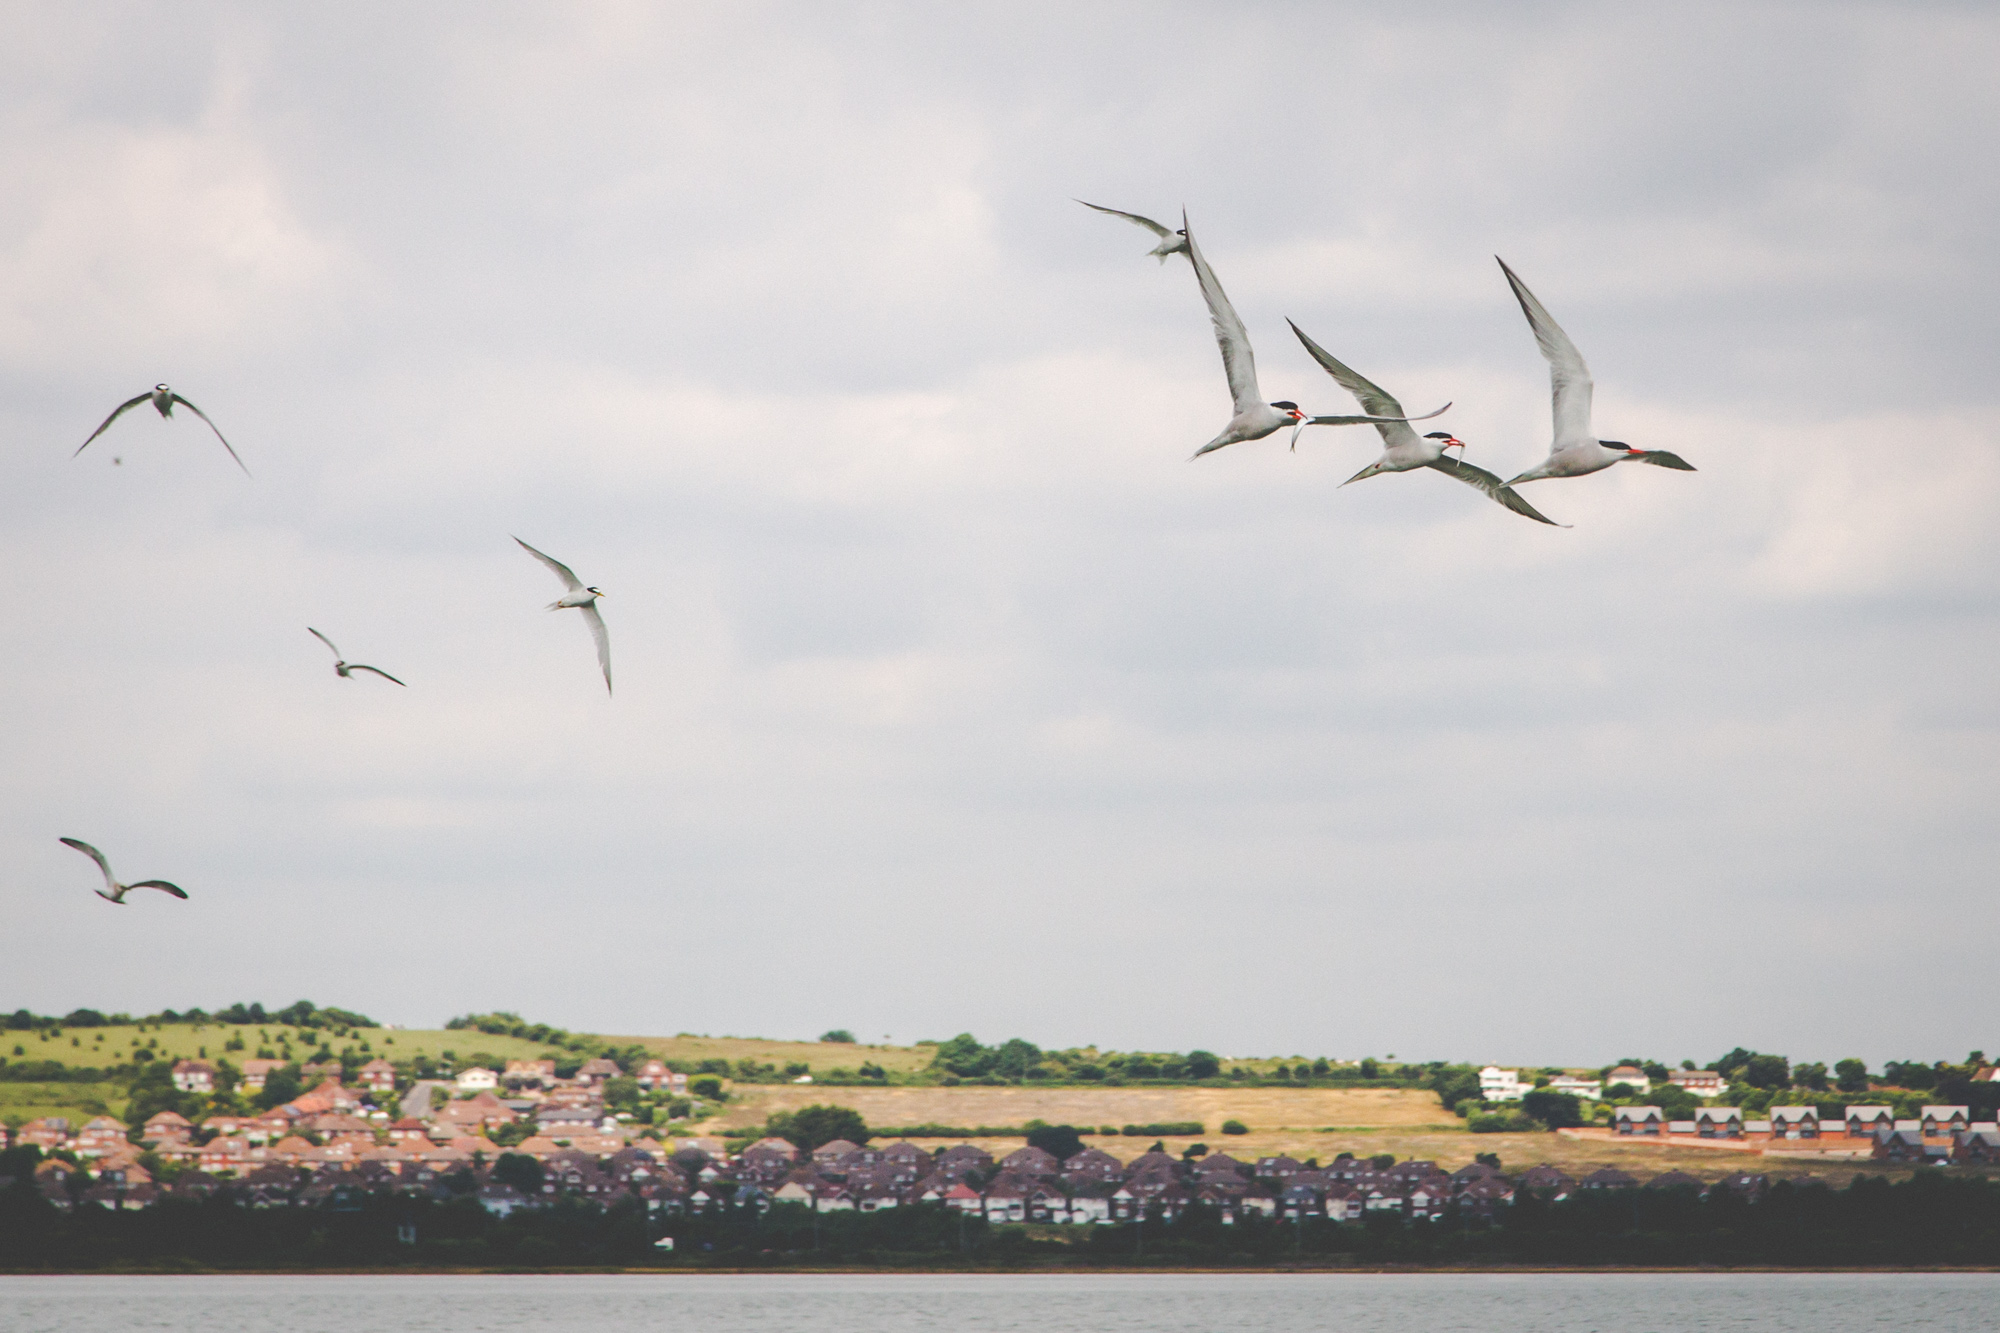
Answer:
(1298, 424)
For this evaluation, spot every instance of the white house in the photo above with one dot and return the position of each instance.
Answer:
(1632, 1076)
(1589, 1089)
(1500, 1085)
(1700, 1082)
(194, 1076)
(477, 1079)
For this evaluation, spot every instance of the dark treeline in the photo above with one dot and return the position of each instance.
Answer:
(1927, 1220)
(299, 1014)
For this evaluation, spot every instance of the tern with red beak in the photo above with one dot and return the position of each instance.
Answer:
(1574, 452)
(163, 400)
(1403, 450)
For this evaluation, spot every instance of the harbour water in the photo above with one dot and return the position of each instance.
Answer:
(1083, 1303)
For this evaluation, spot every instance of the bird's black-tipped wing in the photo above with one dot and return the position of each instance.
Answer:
(94, 855)
(123, 408)
(1147, 223)
(356, 666)
(1661, 458)
(161, 884)
(323, 639)
(212, 426)
(1494, 488)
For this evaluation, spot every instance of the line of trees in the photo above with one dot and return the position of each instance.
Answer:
(1927, 1220)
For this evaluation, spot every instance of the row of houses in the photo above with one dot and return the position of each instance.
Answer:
(378, 1075)
(1506, 1085)
(1868, 1123)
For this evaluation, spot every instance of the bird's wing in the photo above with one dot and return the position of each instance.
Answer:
(212, 426)
(1569, 378)
(123, 408)
(598, 632)
(174, 889)
(96, 856)
(1373, 398)
(570, 581)
(1494, 488)
(1238, 362)
(1147, 223)
(323, 639)
(1661, 458)
(356, 666)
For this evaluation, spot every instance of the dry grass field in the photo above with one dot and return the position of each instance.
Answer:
(821, 1056)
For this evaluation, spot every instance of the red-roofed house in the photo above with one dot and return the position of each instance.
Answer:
(102, 1135)
(256, 1071)
(378, 1075)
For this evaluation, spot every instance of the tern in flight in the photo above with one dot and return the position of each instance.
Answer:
(1254, 418)
(1171, 242)
(118, 891)
(577, 596)
(1403, 450)
(344, 668)
(163, 399)
(1575, 452)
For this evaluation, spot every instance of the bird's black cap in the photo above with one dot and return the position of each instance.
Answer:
(1282, 403)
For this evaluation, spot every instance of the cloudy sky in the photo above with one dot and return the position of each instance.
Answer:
(950, 694)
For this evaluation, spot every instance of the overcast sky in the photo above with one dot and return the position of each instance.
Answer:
(950, 694)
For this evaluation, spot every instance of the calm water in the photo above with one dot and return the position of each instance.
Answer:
(1350, 1303)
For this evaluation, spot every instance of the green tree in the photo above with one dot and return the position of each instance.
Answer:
(1235, 1127)
(1850, 1075)
(280, 1086)
(811, 1126)
(1061, 1142)
(1810, 1076)
(841, 1035)
(707, 1086)
(1557, 1110)
(1202, 1064)
(621, 1094)
(1767, 1071)
(521, 1171)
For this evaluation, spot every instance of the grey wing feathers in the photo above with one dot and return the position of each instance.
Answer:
(1373, 421)
(1569, 377)
(212, 426)
(1147, 223)
(323, 639)
(174, 889)
(356, 666)
(1238, 362)
(1494, 488)
(1372, 397)
(1661, 458)
(603, 638)
(94, 855)
(570, 581)
(123, 408)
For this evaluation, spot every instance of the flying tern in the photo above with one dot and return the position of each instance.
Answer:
(1574, 452)
(1171, 242)
(118, 891)
(163, 399)
(344, 668)
(578, 597)
(1254, 418)
(1403, 450)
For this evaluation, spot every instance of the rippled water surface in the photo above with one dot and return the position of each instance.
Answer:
(1348, 1303)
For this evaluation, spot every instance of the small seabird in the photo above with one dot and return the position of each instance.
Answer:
(1403, 450)
(1574, 452)
(345, 669)
(118, 891)
(1254, 418)
(163, 399)
(578, 597)
(1171, 242)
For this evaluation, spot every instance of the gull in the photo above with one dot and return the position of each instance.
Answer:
(345, 669)
(118, 891)
(1171, 242)
(1574, 452)
(1254, 418)
(1403, 451)
(583, 599)
(163, 399)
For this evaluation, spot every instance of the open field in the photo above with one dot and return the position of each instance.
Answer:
(114, 1045)
(1264, 1108)
(21, 1102)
